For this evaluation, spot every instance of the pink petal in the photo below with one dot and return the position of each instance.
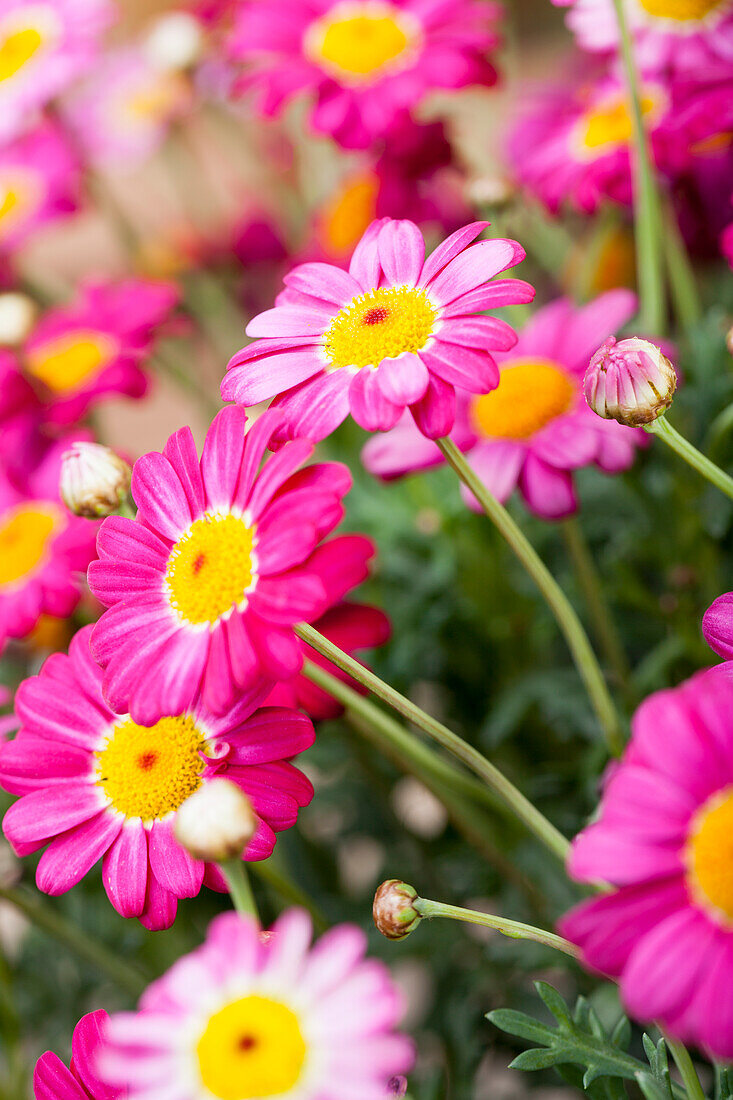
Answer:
(125, 869)
(500, 292)
(369, 407)
(449, 249)
(272, 733)
(498, 464)
(549, 492)
(468, 368)
(180, 450)
(68, 858)
(316, 407)
(476, 265)
(43, 814)
(290, 321)
(325, 281)
(364, 266)
(278, 468)
(174, 868)
(403, 380)
(53, 1081)
(221, 457)
(435, 413)
(269, 375)
(401, 253)
(159, 495)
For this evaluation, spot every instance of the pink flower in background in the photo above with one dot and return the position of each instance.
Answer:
(319, 1022)
(95, 785)
(663, 841)
(363, 61)
(39, 182)
(535, 429)
(96, 345)
(717, 626)
(395, 331)
(204, 588)
(52, 1080)
(350, 626)
(44, 46)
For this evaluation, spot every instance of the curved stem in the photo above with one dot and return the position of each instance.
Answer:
(717, 477)
(239, 887)
(472, 758)
(511, 928)
(688, 1073)
(568, 621)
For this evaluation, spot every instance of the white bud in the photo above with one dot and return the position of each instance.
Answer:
(94, 480)
(216, 822)
(630, 381)
(17, 317)
(174, 42)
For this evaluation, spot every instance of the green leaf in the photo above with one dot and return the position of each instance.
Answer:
(537, 1058)
(518, 1023)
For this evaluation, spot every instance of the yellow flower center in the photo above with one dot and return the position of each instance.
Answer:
(359, 40)
(609, 124)
(211, 568)
(710, 855)
(67, 361)
(157, 99)
(148, 771)
(17, 48)
(381, 324)
(683, 11)
(25, 533)
(251, 1048)
(349, 214)
(530, 394)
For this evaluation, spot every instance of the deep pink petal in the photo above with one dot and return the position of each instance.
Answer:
(125, 869)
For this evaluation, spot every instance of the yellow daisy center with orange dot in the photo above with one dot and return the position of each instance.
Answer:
(683, 11)
(381, 324)
(25, 534)
(252, 1047)
(531, 393)
(148, 771)
(211, 568)
(710, 855)
(66, 362)
(17, 48)
(360, 40)
(345, 219)
(608, 125)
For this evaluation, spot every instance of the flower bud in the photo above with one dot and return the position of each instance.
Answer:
(397, 1086)
(216, 822)
(17, 317)
(630, 381)
(94, 480)
(394, 913)
(174, 42)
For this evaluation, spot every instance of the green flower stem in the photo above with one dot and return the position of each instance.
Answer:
(568, 621)
(512, 928)
(471, 757)
(662, 428)
(288, 890)
(128, 975)
(239, 887)
(647, 207)
(687, 1070)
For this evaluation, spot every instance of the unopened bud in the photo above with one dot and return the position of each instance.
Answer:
(216, 822)
(94, 481)
(17, 317)
(397, 1086)
(174, 42)
(394, 913)
(630, 381)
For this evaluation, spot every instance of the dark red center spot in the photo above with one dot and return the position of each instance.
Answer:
(375, 316)
(198, 564)
(146, 760)
(246, 1042)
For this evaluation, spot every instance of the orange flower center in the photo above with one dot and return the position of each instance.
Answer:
(607, 125)
(710, 856)
(66, 362)
(682, 11)
(531, 393)
(25, 533)
(349, 214)
(17, 48)
(211, 568)
(362, 40)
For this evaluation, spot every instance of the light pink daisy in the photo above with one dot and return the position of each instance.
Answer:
(394, 331)
(205, 586)
(39, 182)
(663, 840)
(363, 61)
(52, 1080)
(96, 345)
(44, 45)
(535, 428)
(95, 785)
(255, 1014)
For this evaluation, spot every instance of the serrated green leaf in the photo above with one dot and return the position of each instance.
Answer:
(555, 1003)
(521, 1025)
(537, 1058)
(621, 1035)
(651, 1087)
(723, 1083)
(596, 1026)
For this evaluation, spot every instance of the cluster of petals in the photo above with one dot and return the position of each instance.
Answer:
(331, 51)
(56, 761)
(321, 1019)
(662, 840)
(218, 619)
(52, 1080)
(419, 367)
(535, 449)
(39, 182)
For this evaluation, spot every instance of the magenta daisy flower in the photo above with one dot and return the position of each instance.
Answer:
(52, 1080)
(205, 586)
(663, 840)
(394, 331)
(717, 626)
(253, 1014)
(363, 61)
(95, 346)
(535, 428)
(96, 785)
(39, 182)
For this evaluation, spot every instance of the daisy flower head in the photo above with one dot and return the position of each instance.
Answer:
(251, 1014)
(363, 62)
(79, 353)
(96, 785)
(205, 586)
(395, 331)
(44, 45)
(52, 1080)
(663, 841)
(717, 626)
(39, 182)
(535, 429)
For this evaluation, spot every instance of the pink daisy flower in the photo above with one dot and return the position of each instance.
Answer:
(96, 785)
(252, 1013)
(681, 34)
(663, 840)
(717, 626)
(535, 428)
(205, 586)
(52, 1080)
(44, 46)
(95, 346)
(394, 331)
(44, 550)
(363, 61)
(39, 182)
